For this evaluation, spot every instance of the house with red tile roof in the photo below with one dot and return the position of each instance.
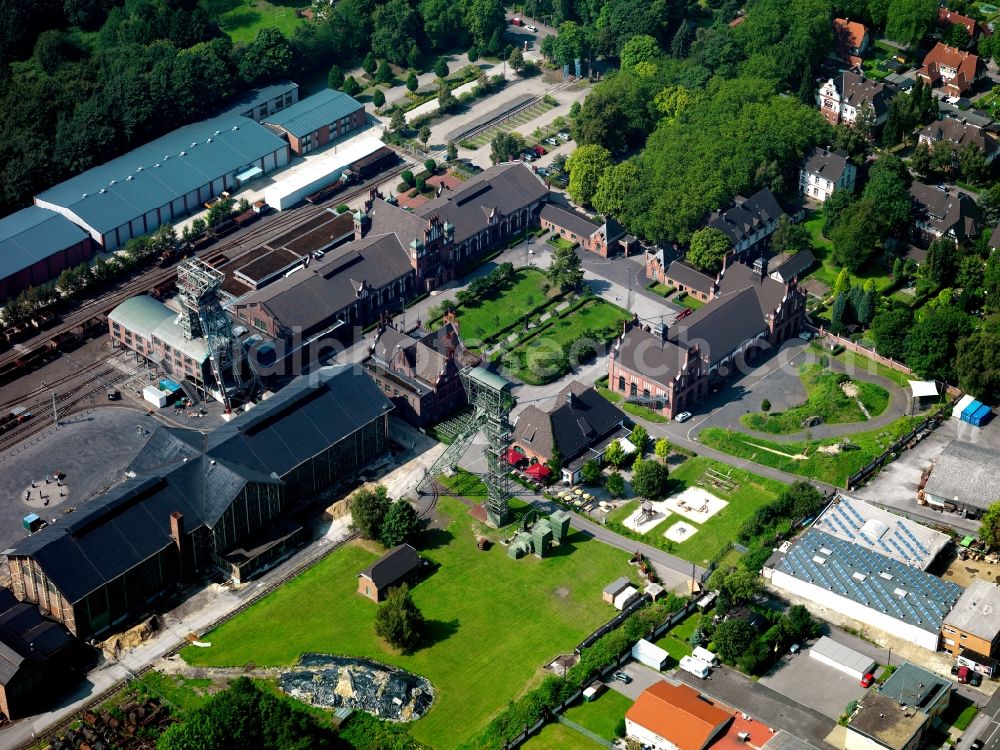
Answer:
(948, 18)
(950, 69)
(850, 41)
(675, 717)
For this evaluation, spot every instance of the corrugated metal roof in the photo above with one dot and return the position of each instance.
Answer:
(250, 100)
(313, 112)
(33, 234)
(163, 170)
(148, 317)
(842, 654)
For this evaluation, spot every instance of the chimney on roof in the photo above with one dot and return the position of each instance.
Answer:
(180, 544)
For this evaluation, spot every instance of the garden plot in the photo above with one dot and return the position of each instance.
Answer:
(680, 532)
(695, 504)
(643, 521)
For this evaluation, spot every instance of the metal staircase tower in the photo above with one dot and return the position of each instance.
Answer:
(489, 395)
(203, 317)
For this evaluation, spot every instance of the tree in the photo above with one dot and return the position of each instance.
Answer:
(384, 73)
(649, 479)
(639, 438)
(370, 63)
(413, 56)
(662, 448)
(615, 484)
(681, 42)
(591, 472)
(267, 58)
(452, 151)
(516, 60)
(920, 162)
(833, 208)
(972, 162)
(351, 87)
(616, 188)
(506, 146)
(638, 49)
(411, 81)
(368, 511)
(335, 78)
(732, 638)
(555, 462)
(485, 21)
(397, 121)
(424, 135)
(565, 271)
(398, 620)
(931, 344)
(889, 329)
(888, 188)
(399, 525)
(586, 165)
(765, 406)
(977, 363)
(378, 99)
(441, 68)
(394, 27)
(614, 454)
(909, 21)
(843, 283)
(989, 526)
(857, 235)
(221, 211)
(789, 237)
(709, 248)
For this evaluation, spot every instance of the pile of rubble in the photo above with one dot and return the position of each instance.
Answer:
(133, 726)
(335, 681)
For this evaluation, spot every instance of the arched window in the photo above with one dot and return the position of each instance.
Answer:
(621, 383)
(634, 390)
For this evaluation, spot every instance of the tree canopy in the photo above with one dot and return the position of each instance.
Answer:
(399, 621)
(709, 248)
(586, 165)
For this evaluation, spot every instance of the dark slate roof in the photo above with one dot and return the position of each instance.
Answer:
(199, 476)
(739, 276)
(855, 90)
(691, 277)
(504, 187)
(25, 634)
(392, 567)
(747, 216)
(946, 210)
(795, 266)
(571, 221)
(427, 356)
(312, 297)
(313, 112)
(33, 234)
(388, 218)
(645, 352)
(723, 324)
(828, 164)
(580, 418)
(162, 170)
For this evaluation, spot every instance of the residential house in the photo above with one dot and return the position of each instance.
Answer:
(749, 223)
(682, 276)
(952, 70)
(793, 268)
(840, 99)
(673, 369)
(898, 715)
(824, 171)
(948, 18)
(958, 133)
(941, 211)
(394, 568)
(675, 717)
(316, 120)
(580, 425)
(973, 625)
(603, 239)
(419, 371)
(850, 41)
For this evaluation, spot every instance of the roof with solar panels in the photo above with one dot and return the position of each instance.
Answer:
(877, 581)
(881, 531)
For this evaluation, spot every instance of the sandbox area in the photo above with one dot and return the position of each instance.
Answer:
(680, 532)
(695, 504)
(642, 523)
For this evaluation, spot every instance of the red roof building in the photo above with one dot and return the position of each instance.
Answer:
(952, 69)
(948, 18)
(850, 40)
(675, 716)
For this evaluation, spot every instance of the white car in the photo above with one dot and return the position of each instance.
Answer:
(529, 27)
(564, 134)
(684, 416)
(950, 99)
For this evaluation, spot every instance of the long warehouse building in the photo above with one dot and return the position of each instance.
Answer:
(36, 245)
(167, 179)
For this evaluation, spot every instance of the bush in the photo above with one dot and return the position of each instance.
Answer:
(431, 166)
(343, 208)
(765, 405)
(407, 177)
(838, 349)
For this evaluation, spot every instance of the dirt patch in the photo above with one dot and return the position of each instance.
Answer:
(830, 450)
(562, 592)
(963, 572)
(850, 389)
(130, 638)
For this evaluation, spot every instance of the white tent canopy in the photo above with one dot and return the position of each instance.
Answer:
(923, 388)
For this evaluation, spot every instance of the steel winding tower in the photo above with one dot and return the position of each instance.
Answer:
(203, 317)
(489, 396)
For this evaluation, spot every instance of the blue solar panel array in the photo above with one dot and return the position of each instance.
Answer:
(844, 518)
(856, 572)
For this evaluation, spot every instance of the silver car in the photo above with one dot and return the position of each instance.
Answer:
(684, 416)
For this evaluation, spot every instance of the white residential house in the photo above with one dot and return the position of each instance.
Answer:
(824, 172)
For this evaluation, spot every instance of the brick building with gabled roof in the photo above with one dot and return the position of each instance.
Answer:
(953, 70)
(948, 18)
(675, 717)
(850, 40)
(392, 569)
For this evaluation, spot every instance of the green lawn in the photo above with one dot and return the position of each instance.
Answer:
(484, 318)
(602, 715)
(246, 17)
(560, 737)
(677, 640)
(561, 243)
(180, 692)
(855, 362)
(493, 621)
(826, 399)
(830, 468)
(751, 492)
(828, 269)
(662, 289)
(688, 301)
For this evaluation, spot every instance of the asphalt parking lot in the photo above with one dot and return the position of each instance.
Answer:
(642, 678)
(798, 677)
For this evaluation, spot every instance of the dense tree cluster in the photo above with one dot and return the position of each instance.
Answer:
(376, 516)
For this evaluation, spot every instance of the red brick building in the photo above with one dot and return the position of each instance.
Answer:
(318, 119)
(604, 239)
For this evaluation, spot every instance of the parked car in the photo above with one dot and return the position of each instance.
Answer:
(542, 171)
(540, 150)
(528, 156)
(963, 675)
(794, 648)
(622, 677)
(806, 336)
(553, 141)
(684, 416)
(976, 745)
(529, 27)
(114, 394)
(867, 680)
(564, 134)
(517, 21)
(975, 679)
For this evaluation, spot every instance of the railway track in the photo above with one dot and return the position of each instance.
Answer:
(49, 386)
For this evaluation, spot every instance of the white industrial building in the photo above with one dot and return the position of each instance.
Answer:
(879, 530)
(864, 585)
(318, 173)
(840, 657)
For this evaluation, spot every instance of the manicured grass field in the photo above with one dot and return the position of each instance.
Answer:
(634, 409)
(662, 289)
(826, 400)
(493, 621)
(751, 492)
(484, 317)
(243, 21)
(560, 737)
(688, 301)
(602, 715)
(858, 362)
(830, 468)
(560, 243)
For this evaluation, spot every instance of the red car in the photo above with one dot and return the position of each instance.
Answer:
(540, 150)
(867, 680)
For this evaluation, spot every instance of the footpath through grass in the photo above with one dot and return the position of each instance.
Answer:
(832, 465)
(854, 362)
(743, 492)
(826, 399)
(493, 621)
(560, 737)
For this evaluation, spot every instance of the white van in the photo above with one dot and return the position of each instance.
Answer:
(703, 654)
(695, 666)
